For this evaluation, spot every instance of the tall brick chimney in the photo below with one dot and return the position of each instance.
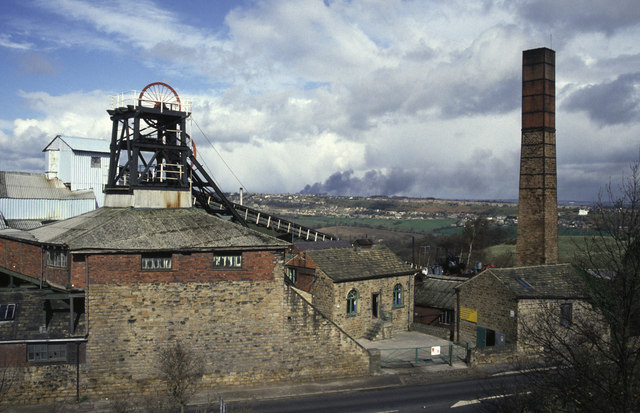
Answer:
(537, 241)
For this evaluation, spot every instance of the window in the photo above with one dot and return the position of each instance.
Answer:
(292, 273)
(397, 296)
(566, 316)
(95, 162)
(227, 260)
(352, 302)
(57, 258)
(446, 317)
(7, 312)
(47, 352)
(156, 262)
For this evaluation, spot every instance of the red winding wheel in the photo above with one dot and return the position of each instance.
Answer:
(157, 93)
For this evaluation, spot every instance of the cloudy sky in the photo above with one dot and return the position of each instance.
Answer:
(417, 98)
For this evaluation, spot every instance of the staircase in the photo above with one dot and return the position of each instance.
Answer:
(374, 331)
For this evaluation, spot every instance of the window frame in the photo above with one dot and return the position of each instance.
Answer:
(566, 314)
(352, 302)
(235, 260)
(96, 162)
(398, 295)
(5, 309)
(47, 352)
(292, 273)
(160, 259)
(57, 258)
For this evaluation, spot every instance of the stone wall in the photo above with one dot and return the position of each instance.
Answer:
(493, 303)
(356, 325)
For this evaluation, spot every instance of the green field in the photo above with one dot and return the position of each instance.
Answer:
(568, 247)
(416, 226)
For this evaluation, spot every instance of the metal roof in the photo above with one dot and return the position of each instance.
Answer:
(438, 291)
(26, 185)
(539, 281)
(350, 264)
(79, 144)
(138, 229)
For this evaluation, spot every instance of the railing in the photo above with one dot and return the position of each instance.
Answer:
(415, 356)
(263, 219)
(161, 173)
(132, 98)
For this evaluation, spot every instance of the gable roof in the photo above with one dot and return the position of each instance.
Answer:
(539, 281)
(26, 185)
(79, 144)
(139, 229)
(437, 291)
(351, 264)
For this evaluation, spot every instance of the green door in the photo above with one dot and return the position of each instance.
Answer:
(481, 337)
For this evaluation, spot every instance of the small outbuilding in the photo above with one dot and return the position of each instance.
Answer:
(365, 289)
(494, 305)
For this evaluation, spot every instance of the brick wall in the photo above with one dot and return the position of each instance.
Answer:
(21, 257)
(493, 303)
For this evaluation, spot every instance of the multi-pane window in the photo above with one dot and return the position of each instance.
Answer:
(566, 314)
(397, 296)
(292, 274)
(446, 317)
(153, 263)
(227, 260)
(352, 302)
(47, 352)
(7, 311)
(57, 258)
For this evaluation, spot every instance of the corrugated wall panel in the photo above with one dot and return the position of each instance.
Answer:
(44, 209)
(86, 177)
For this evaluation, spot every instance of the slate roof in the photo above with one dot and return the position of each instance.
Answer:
(438, 291)
(540, 281)
(25, 185)
(138, 229)
(82, 144)
(351, 264)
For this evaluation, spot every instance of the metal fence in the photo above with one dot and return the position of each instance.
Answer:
(416, 356)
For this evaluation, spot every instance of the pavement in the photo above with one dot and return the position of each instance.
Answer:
(436, 371)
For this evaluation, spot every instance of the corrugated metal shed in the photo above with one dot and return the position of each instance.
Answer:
(29, 196)
(81, 163)
(78, 144)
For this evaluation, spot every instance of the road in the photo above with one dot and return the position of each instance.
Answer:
(456, 397)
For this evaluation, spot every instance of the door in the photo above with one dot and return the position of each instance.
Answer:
(375, 305)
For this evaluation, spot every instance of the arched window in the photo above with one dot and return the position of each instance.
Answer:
(397, 296)
(352, 302)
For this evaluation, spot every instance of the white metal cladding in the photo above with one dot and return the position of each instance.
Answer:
(86, 176)
(44, 209)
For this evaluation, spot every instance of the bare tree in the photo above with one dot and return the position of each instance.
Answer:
(589, 358)
(180, 368)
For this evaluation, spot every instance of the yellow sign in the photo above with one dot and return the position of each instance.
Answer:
(468, 314)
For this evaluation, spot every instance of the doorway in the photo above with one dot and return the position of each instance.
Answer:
(375, 304)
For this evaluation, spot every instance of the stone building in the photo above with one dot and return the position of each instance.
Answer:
(100, 294)
(365, 289)
(494, 305)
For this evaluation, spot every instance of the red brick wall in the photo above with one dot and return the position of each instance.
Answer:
(21, 257)
(194, 267)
